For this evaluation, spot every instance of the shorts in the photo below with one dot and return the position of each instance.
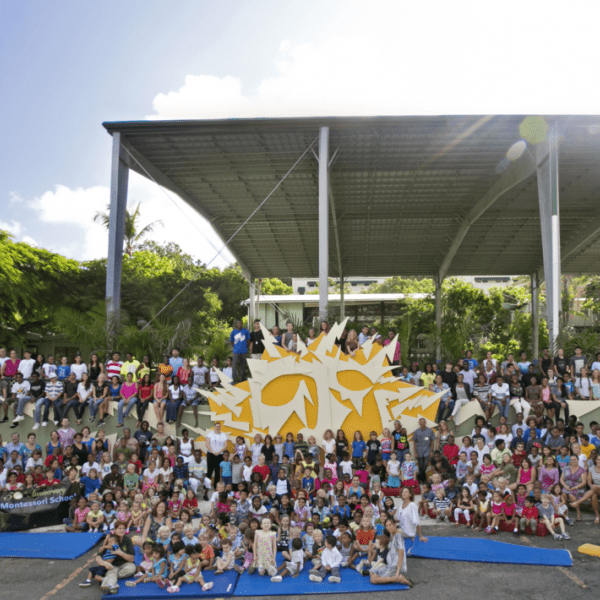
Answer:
(98, 571)
(226, 480)
(291, 567)
(385, 455)
(357, 461)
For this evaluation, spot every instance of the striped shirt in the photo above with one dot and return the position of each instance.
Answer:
(481, 391)
(113, 368)
(442, 504)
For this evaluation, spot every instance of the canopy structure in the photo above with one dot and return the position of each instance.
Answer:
(428, 196)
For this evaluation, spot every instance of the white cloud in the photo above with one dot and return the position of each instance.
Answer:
(419, 58)
(29, 240)
(13, 227)
(89, 240)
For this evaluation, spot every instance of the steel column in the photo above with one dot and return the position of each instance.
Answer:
(342, 300)
(548, 196)
(251, 304)
(438, 318)
(535, 315)
(323, 222)
(116, 229)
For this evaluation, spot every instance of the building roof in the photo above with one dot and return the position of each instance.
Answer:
(411, 195)
(333, 298)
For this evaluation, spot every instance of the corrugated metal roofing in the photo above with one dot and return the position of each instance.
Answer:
(402, 186)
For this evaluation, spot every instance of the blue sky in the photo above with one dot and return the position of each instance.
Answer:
(68, 66)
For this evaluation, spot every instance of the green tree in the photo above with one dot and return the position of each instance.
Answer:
(402, 285)
(275, 287)
(133, 235)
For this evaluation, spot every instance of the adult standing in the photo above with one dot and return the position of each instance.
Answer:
(577, 362)
(328, 444)
(145, 392)
(95, 368)
(394, 568)
(79, 367)
(395, 362)
(239, 338)
(113, 366)
(143, 435)
(561, 363)
(288, 335)
(216, 442)
(26, 365)
(200, 374)
(128, 399)
(257, 346)
(423, 439)
(175, 361)
(122, 565)
(131, 365)
(185, 446)
(407, 515)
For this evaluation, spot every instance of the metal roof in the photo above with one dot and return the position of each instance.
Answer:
(412, 195)
(348, 298)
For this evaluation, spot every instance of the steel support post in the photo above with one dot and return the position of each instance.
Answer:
(535, 315)
(116, 230)
(548, 196)
(438, 318)
(323, 222)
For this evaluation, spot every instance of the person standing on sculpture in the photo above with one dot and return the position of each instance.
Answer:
(423, 439)
(239, 338)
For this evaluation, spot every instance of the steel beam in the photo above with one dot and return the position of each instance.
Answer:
(438, 318)
(518, 172)
(323, 222)
(535, 315)
(548, 196)
(119, 179)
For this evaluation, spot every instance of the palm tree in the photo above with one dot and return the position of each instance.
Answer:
(132, 235)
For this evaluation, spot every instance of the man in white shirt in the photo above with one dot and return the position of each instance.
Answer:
(26, 365)
(216, 442)
(20, 394)
(49, 368)
(200, 373)
(468, 374)
(500, 396)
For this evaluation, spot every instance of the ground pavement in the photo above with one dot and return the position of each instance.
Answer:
(33, 579)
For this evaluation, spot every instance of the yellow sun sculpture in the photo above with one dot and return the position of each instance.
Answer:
(320, 388)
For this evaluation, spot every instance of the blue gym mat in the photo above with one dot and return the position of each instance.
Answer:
(257, 585)
(488, 551)
(54, 546)
(224, 585)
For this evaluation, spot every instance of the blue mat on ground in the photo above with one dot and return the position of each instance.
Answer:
(257, 585)
(488, 551)
(224, 586)
(55, 546)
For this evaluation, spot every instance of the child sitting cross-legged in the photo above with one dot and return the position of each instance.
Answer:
(192, 571)
(379, 558)
(331, 559)
(158, 571)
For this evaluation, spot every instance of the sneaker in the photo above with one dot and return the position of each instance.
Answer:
(92, 419)
(272, 571)
(334, 579)
(365, 572)
(568, 521)
(277, 579)
(251, 569)
(114, 590)
(14, 425)
(172, 589)
(85, 583)
(239, 569)
(36, 426)
(130, 583)
(45, 424)
(488, 529)
(100, 423)
(206, 586)
(447, 519)
(557, 537)
(315, 578)
(5, 420)
(19, 418)
(55, 423)
(566, 536)
(161, 583)
(360, 566)
(344, 564)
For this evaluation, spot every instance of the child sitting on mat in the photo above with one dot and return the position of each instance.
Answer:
(295, 565)
(104, 560)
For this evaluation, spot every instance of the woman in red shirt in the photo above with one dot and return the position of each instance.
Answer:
(145, 389)
(185, 372)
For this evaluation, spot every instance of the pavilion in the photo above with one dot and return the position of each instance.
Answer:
(382, 196)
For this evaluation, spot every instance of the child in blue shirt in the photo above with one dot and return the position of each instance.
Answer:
(462, 468)
(288, 446)
(63, 370)
(225, 466)
(308, 483)
(358, 449)
(91, 483)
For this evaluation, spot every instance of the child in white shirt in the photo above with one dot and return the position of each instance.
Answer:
(295, 565)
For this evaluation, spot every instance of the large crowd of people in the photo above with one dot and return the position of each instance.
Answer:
(325, 504)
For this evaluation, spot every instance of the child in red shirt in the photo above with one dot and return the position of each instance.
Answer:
(451, 451)
(529, 516)
(519, 455)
